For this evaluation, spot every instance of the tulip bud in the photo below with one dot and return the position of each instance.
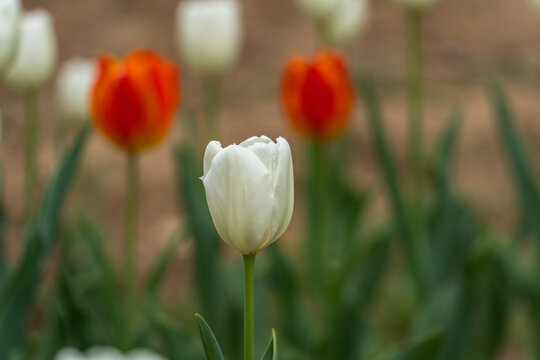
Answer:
(9, 27)
(416, 3)
(347, 19)
(317, 95)
(36, 51)
(250, 191)
(134, 101)
(318, 9)
(209, 34)
(74, 86)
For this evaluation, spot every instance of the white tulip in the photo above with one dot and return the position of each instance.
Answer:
(318, 9)
(10, 11)
(209, 34)
(36, 51)
(143, 354)
(347, 19)
(105, 353)
(250, 191)
(416, 3)
(74, 86)
(69, 353)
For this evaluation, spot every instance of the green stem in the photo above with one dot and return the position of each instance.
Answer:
(132, 213)
(212, 102)
(30, 153)
(414, 94)
(249, 307)
(317, 222)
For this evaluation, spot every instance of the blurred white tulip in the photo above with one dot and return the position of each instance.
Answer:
(74, 86)
(69, 353)
(36, 54)
(144, 354)
(416, 3)
(348, 19)
(250, 191)
(318, 9)
(104, 353)
(10, 11)
(209, 34)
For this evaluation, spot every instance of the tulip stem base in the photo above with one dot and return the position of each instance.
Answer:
(249, 307)
(132, 213)
(30, 154)
(414, 94)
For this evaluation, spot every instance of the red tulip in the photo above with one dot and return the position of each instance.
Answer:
(318, 95)
(134, 100)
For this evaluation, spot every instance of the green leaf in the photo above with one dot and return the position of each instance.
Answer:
(520, 161)
(206, 242)
(271, 352)
(210, 343)
(415, 246)
(426, 348)
(162, 263)
(19, 291)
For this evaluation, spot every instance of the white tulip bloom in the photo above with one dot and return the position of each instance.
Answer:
(209, 34)
(74, 86)
(250, 191)
(347, 19)
(69, 353)
(105, 353)
(416, 3)
(318, 9)
(36, 51)
(144, 354)
(10, 11)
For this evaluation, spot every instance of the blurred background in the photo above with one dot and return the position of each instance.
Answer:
(465, 42)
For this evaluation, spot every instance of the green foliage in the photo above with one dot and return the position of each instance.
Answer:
(19, 290)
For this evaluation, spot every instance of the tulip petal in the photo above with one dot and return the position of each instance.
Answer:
(283, 191)
(213, 148)
(239, 191)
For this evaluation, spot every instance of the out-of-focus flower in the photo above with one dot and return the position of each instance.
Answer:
(144, 354)
(106, 353)
(36, 53)
(318, 9)
(70, 353)
(134, 100)
(416, 3)
(209, 34)
(347, 19)
(74, 86)
(250, 191)
(10, 11)
(318, 96)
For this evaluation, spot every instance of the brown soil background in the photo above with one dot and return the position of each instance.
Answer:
(465, 40)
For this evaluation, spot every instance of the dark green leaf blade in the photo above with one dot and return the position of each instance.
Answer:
(210, 343)
(271, 352)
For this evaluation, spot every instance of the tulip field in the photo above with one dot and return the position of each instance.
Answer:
(288, 179)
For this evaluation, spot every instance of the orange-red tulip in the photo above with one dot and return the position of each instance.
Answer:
(318, 95)
(134, 100)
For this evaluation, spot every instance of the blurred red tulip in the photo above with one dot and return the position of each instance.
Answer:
(318, 96)
(134, 100)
